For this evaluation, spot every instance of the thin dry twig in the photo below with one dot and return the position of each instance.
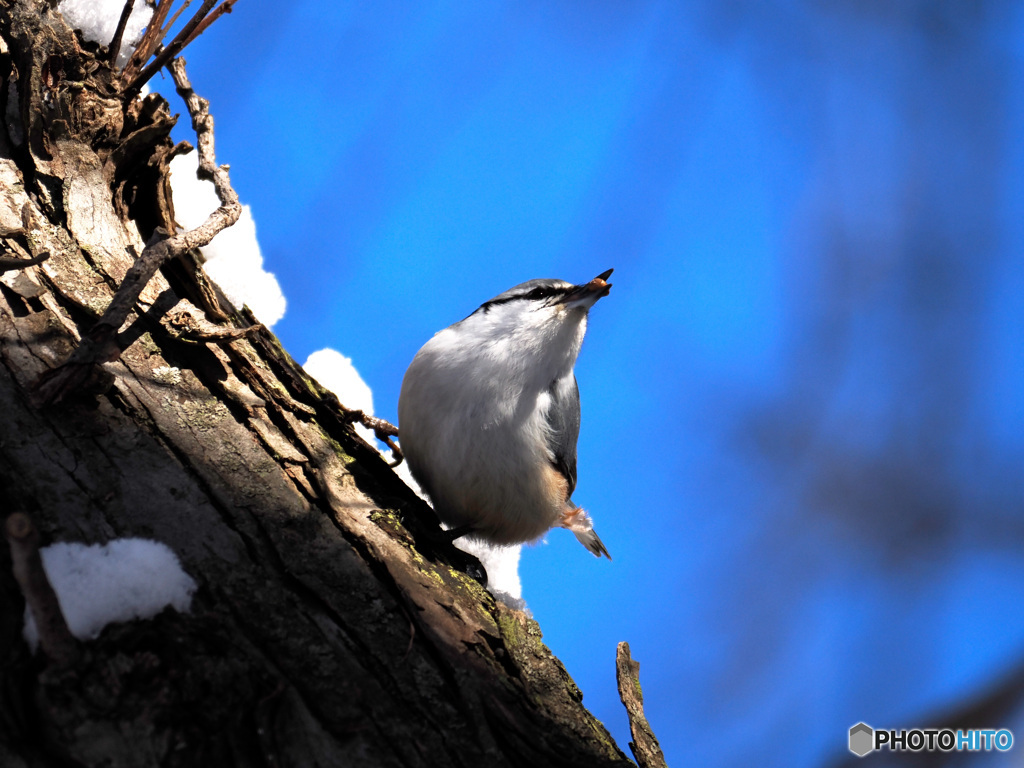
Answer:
(55, 638)
(384, 431)
(150, 39)
(219, 11)
(115, 44)
(173, 48)
(174, 18)
(100, 344)
(644, 745)
(7, 264)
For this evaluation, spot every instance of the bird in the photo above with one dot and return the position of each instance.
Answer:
(489, 415)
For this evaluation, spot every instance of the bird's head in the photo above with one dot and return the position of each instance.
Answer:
(538, 324)
(553, 297)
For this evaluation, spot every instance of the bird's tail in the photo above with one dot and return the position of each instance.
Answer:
(579, 522)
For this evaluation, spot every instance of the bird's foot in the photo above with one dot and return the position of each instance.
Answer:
(458, 532)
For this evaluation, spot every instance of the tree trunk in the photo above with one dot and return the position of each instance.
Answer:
(331, 625)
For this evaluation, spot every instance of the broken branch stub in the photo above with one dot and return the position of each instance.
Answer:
(55, 638)
(644, 745)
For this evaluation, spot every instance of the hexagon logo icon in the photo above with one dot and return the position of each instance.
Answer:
(862, 739)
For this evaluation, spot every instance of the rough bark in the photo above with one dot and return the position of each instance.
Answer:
(644, 746)
(332, 625)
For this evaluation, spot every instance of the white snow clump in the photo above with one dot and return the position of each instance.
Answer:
(97, 21)
(233, 257)
(121, 580)
(335, 372)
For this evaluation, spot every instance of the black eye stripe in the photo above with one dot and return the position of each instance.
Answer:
(532, 295)
(542, 293)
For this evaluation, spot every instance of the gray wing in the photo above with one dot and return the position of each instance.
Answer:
(564, 426)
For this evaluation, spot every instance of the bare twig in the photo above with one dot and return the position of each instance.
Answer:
(172, 49)
(6, 265)
(174, 18)
(644, 746)
(221, 9)
(384, 430)
(55, 638)
(100, 344)
(150, 40)
(115, 44)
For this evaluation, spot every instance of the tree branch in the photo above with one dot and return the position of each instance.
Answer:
(115, 44)
(174, 18)
(183, 38)
(100, 344)
(384, 430)
(7, 264)
(219, 11)
(150, 39)
(644, 746)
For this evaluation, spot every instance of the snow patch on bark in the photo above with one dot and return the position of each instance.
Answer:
(121, 580)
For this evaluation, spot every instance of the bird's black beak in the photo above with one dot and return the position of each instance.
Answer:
(588, 293)
(598, 283)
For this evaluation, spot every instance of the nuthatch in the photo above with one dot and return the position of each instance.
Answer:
(489, 415)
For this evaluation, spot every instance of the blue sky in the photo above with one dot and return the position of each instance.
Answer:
(803, 419)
